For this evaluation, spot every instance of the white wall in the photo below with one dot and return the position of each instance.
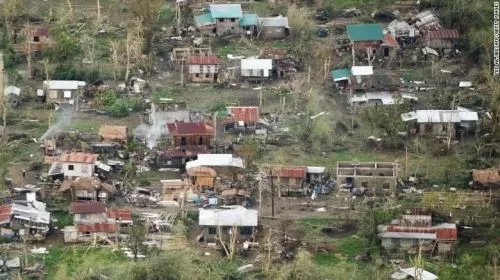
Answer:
(203, 69)
(79, 169)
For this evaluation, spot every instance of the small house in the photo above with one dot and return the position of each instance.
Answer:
(220, 223)
(373, 177)
(274, 27)
(190, 134)
(223, 19)
(113, 134)
(90, 232)
(371, 98)
(242, 119)
(74, 165)
(62, 91)
(87, 188)
(441, 39)
(176, 157)
(256, 69)
(202, 177)
(123, 217)
(341, 77)
(402, 29)
(289, 179)
(203, 69)
(282, 64)
(441, 123)
(173, 190)
(365, 37)
(88, 212)
(486, 178)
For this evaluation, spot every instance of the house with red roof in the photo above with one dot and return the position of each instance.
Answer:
(74, 165)
(242, 119)
(203, 68)
(190, 133)
(441, 38)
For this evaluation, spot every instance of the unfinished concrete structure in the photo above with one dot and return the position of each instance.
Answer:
(371, 176)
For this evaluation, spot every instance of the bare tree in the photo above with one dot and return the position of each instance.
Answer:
(147, 12)
(125, 55)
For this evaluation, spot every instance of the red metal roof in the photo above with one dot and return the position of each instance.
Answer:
(290, 172)
(87, 207)
(122, 214)
(390, 41)
(442, 34)
(181, 128)
(78, 157)
(450, 234)
(245, 114)
(107, 228)
(5, 212)
(203, 60)
(39, 31)
(447, 234)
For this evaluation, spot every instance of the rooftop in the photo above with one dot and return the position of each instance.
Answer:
(182, 128)
(63, 85)
(113, 132)
(214, 160)
(341, 74)
(121, 214)
(278, 21)
(225, 11)
(290, 171)
(204, 19)
(87, 207)
(440, 116)
(249, 19)
(237, 216)
(244, 114)
(78, 157)
(442, 34)
(98, 227)
(364, 32)
(256, 64)
(203, 60)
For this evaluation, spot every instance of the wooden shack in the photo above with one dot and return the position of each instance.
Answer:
(202, 177)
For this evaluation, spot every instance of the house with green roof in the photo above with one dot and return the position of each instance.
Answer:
(226, 19)
(365, 37)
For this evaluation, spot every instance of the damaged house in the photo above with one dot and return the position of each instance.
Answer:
(173, 190)
(219, 224)
(426, 20)
(202, 177)
(243, 120)
(441, 123)
(373, 177)
(415, 232)
(25, 221)
(113, 134)
(486, 178)
(190, 134)
(74, 165)
(87, 188)
(274, 27)
(296, 180)
(224, 164)
(226, 19)
(91, 223)
(441, 39)
(402, 29)
(176, 157)
(203, 69)
(62, 91)
(365, 37)
(282, 64)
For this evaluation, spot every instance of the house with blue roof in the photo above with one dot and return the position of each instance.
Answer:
(226, 19)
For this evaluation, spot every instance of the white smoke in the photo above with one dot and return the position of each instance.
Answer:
(62, 119)
(151, 134)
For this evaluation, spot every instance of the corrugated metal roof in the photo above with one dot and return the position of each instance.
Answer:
(290, 172)
(442, 34)
(203, 60)
(238, 216)
(256, 64)
(278, 21)
(30, 213)
(365, 32)
(213, 160)
(486, 177)
(122, 214)
(87, 207)
(5, 212)
(244, 114)
(225, 11)
(408, 235)
(362, 70)
(204, 19)
(316, 169)
(113, 132)
(390, 41)
(78, 157)
(249, 20)
(63, 85)
(181, 128)
(98, 227)
(341, 74)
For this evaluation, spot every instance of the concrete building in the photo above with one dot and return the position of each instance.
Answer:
(203, 69)
(224, 19)
(62, 91)
(74, 165)
(274, 27)
(222, 221)
(256, 69)
(376, 177)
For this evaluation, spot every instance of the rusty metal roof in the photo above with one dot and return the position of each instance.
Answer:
(5, 212)
(390, 41)
(203, 60)
(78, 157)
(98, 227)
(486, 177)
(290, 171)
(245, 114)
(180, 128)
(113, 132)
(87, 207)
(122, 214)
(270, 53)
(442, 34)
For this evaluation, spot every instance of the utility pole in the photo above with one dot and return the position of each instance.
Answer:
(273, 190)
(3, 83)
(98, 12)
(260, 96)
(182, 73)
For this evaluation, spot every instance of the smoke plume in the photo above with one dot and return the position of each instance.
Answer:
(62, 118)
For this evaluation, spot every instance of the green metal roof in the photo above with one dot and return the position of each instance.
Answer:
(249, 20)
(341, 73)
(364, 32)
(203, 19)
(226, 11)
